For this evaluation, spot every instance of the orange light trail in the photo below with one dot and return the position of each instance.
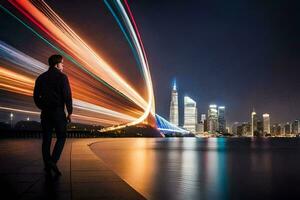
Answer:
(20, 84)
(100, 93)
(62, 34)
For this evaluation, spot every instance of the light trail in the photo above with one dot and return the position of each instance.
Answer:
(21, 60)
(34, 67)
(87, 119)
(20, 84)
(142, 59)
(87, 60)
(143, 49)
(52, 25)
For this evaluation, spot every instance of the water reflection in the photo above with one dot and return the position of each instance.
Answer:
(214, 168)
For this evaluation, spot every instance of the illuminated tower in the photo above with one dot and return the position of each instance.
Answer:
(190, 114)
(221, 119)
(212, 119)
(174, 106)
(253, 123)
(266, 122)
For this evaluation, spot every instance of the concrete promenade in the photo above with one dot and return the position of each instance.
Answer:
(85, 176)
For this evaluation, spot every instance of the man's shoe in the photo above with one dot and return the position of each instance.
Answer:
(47, 169)
(55, 168)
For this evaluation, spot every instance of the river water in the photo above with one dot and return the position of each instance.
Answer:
(211, 168)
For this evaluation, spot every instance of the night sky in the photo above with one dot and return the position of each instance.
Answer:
(240, 54)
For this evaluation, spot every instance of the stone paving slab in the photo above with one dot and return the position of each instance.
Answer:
(85, 176)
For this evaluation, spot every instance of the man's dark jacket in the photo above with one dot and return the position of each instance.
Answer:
(52, 92)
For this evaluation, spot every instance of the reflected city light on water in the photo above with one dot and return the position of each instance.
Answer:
(149, 165)
(211, 168)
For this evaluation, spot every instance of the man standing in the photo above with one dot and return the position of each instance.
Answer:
(51, 94)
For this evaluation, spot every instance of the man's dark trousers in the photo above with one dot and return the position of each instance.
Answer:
(53, 119)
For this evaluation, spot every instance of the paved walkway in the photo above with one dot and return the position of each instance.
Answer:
(85, 176)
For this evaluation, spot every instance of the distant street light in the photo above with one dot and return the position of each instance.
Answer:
(11, 119)
(28, 119)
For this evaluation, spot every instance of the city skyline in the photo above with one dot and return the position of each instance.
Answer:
(225, 53)
(216, 120)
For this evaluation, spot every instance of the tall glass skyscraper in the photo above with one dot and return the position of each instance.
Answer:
(212, 119)
(174, 106)
(190, 114)
(253, 123)
(221, 119)
(266, 122)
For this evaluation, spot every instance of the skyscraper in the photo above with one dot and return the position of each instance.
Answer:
(200, 128)
(260, 128)
(276, 130)
(174, 106)
(253, 123)
(246, 128)
(296, 127)
(221, 119)
(234, 128)
(212, 119)
(287, 128)
(190, 114)
(266, 122)
(204, 122)
(203, 117)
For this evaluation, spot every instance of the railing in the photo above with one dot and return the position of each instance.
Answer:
(74, 134)
(39, 134)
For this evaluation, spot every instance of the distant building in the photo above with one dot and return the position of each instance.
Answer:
(221, 119)
(205, 126)
(174, 117)
(239, 130)
(276, 130)
(279, 130)
(253, 123)
(244, 129)
(212, 121)
(203, 117)
(228, 129)
(266, 123)
(287, 128)
(200, 128)
(234, 128)
(296, 127)
(282, 129)
(190, 114)
(260, 128)
(204, 121)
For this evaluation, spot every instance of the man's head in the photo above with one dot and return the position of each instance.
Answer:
(56, 61)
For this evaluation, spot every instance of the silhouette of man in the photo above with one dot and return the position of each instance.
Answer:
(51, 94)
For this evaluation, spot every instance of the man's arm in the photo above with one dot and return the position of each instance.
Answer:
(37, 96)
(67, 94)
